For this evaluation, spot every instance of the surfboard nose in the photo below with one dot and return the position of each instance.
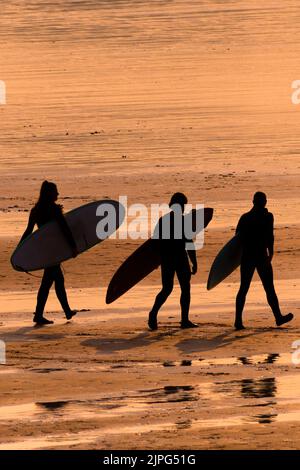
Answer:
(111, 294)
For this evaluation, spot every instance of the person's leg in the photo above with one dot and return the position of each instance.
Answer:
(61, 292)
(183, 272)
(167, 277)
(247, 270)
(42, 296)
(265, 271)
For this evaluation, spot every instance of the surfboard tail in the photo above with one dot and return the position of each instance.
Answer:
(226, 261)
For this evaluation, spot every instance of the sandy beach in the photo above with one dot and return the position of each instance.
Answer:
(143, 99)
(103, 381)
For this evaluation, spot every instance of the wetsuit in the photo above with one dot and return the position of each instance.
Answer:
(174, 260)
(256, 231)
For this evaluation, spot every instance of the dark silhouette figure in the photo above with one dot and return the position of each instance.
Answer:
(169, 233)
(44, 211)
(256, 231)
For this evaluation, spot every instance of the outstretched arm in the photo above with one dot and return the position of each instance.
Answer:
(30, 226)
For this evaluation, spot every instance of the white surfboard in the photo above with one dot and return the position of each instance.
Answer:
(48, 246)
(226, 261)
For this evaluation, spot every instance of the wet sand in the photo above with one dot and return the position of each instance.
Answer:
(114, 98)
(104, 381)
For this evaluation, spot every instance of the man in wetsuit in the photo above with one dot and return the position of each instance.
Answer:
(256, 231)
(174, 260)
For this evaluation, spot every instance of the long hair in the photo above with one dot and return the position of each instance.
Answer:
(45, 198)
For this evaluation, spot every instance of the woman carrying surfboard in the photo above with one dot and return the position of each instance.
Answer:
(44, 211)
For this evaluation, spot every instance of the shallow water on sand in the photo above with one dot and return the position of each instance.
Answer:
(249, 402)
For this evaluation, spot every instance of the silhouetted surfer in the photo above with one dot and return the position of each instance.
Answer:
(174, 259)
(44, 211)
(256, 231)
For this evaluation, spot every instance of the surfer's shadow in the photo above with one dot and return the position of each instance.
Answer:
(29, 333)
(227, 338)
(202, 344)
(105, 345)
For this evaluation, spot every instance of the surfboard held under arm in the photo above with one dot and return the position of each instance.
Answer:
(48, 246)
(146, 258)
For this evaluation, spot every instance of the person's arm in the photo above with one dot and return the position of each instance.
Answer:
(193, 258)
(30, 225)
(66, 231)
(270, 235)
(239, 226)
(157, 230)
